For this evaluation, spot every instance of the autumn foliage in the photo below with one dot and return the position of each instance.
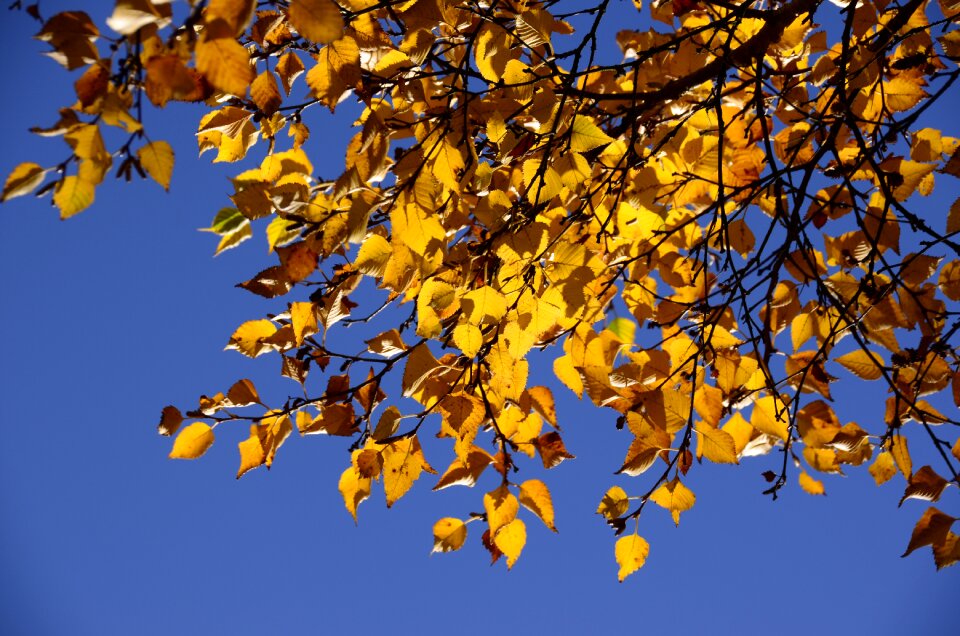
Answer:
(714, 212)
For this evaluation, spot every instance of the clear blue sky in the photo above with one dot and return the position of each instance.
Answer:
(121, 310)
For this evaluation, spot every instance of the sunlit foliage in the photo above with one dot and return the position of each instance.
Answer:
(711, 210)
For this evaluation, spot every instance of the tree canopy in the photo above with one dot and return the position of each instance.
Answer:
(712, 213)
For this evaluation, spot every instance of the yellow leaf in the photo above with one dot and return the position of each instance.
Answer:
(770, 417)
(265, 93)
(73, 195)
(336, 71)
(535, 496)
(883, 468)
(631, 553)
(260, 448)
(249, 338)
(304, 320)
(716, 445)
(810, 485)
(403, 463)
(510, 539)
(866, 366)
(192, 442)
(468, 339)
(586, 135)
(355, 489)
(449, 535)
(23, 180)
(615, 503)
(224, 61)
(501, 508)
(483, 306)
(157, 159)
(317, 20)
(235, 13)
(901, 455)
(675, 497)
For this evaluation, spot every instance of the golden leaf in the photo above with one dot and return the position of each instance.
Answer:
(73, 195)
(770, 417)
(932, 529)
(249, 338)
(449, 534)
(317, 20)
(535, 496)
(901, 455)
(483, 306)
(810, 485)
(157, 159)
(468, 339)
(586, 135)
(716, 445)
(224, 61)
(675, 497)
(864, 365)
(355, 489)
(883, 468)
(510, 540)
(192, 442)
(501, 508)
(403, 463)
(303, 317)
(265, 93)
(631, 553)
(614, 504)
(23, 180)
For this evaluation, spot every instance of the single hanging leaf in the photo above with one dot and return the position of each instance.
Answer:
(535, 496)
(924, 484)
(810, 485)
(449, 535)
(931, 529)
(501, 508)
(73, 195)
(675, 497)
(883, 468)
(510, 540)
(170, 420)
(192, 442)
(157, 159)
(355, 489)
(23, 180)
(631, 553)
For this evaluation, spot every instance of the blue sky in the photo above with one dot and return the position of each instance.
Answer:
(114, 314)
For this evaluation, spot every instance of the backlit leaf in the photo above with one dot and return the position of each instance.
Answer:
(675, 497)
(631, 553)
(810, 485)
(535, 496)
(192, 442)
(614, 503)
(449, 534)
(23, 180)
(317, 20)
(510, 540)
(157, 159)
(932, 529)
